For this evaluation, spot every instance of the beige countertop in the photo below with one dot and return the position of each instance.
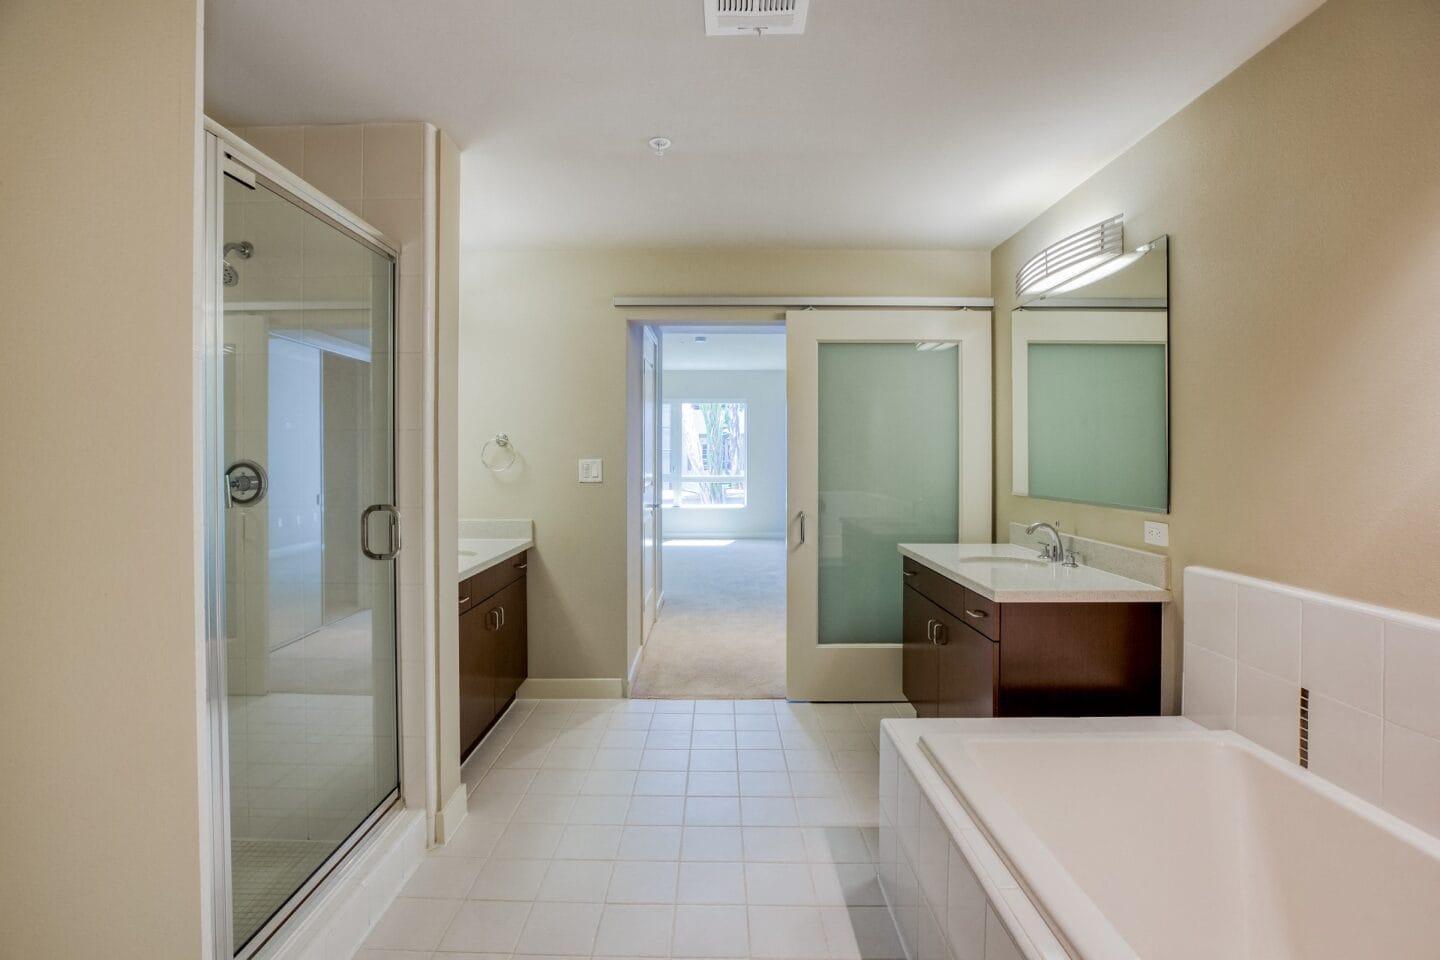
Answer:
(1000, 572)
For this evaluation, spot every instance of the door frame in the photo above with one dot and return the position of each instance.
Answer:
(650, 606)
(872, 672)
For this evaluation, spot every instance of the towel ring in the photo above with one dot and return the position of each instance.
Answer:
(502, 442)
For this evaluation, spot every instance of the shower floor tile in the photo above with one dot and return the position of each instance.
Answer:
(265, 873)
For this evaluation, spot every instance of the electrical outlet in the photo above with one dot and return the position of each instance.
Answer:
(1157, 534)
(590, 471)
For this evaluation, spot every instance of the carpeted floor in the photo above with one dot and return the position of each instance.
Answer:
(721, 633)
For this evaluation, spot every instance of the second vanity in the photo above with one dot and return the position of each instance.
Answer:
(493, 558)
(992, 630)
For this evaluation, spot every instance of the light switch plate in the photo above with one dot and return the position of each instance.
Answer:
(590, 471)
(1157, 534)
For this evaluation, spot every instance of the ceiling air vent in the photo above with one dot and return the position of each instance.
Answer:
(740, 18)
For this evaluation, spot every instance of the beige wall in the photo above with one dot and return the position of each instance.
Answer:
(100, 817)
(1302, 199)
(543, 357)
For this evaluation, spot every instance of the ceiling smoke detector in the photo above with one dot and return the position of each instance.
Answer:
(752, 18)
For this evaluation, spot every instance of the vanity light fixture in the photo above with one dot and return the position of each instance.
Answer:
(1061, 265)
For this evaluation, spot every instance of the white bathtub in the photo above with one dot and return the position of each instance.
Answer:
(1193, 846)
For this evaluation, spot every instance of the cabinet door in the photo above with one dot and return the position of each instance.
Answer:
(511, 652)
(918, 673)
(477, 673)
(967, 662)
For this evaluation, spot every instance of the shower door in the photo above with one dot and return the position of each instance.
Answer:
(308, 535)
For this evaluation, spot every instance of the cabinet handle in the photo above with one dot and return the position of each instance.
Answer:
(909, 573)
(495, 612)
(930, 626)
(976, 614)
(521, 565)
(941, 635)
(502, 618)
(464, 599)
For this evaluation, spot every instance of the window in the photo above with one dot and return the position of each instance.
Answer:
(703, 453)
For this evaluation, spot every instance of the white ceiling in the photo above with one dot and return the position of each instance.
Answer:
(921, 123)
(723, 351)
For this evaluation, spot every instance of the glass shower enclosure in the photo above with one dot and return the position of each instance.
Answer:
(302, 660)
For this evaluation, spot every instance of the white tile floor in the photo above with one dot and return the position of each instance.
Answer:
(659, 828)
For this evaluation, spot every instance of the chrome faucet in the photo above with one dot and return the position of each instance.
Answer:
(1054, 553)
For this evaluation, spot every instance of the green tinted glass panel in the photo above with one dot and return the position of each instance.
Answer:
(1097, 422)
(889, 456)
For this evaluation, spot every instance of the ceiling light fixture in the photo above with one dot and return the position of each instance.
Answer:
(1060, 265)
(660, 145)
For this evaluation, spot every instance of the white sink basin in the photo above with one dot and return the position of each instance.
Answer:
(1022, 561)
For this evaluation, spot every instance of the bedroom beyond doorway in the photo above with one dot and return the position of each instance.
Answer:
(720, 461)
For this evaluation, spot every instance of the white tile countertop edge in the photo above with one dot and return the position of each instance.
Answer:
(488, 552)
(1028, 583)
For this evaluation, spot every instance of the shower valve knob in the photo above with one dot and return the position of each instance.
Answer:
(245, 483)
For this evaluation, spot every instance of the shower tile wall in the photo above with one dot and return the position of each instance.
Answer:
(378, 171)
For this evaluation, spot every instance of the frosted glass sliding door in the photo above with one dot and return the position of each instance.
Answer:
(889, 445)
(889, 432)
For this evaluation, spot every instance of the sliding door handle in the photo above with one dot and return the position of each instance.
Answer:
(800, 518)
(394, 524)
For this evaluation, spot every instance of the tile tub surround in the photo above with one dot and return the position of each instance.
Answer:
(660, 828)
(1028, 583)
(952, 896)
(1373, 675)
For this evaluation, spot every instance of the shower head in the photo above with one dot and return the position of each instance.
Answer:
(243, 249)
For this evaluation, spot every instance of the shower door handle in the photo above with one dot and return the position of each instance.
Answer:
(394, 515)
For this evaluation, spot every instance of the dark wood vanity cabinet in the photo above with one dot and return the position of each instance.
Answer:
(493, 646)
(968, 656)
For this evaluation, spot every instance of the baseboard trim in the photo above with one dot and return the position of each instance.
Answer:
(453, 813)
(577, 688)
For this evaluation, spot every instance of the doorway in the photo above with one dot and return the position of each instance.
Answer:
(713, 466)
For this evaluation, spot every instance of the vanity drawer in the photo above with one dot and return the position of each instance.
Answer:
(941, 591)
(980, 613)
(491, 581)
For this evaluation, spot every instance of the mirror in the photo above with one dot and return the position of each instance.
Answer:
(1091, 389)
